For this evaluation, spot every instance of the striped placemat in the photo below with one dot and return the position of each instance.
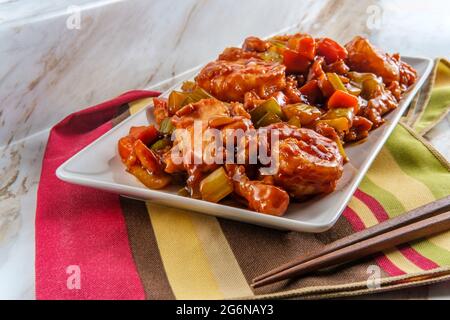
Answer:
(179, 254)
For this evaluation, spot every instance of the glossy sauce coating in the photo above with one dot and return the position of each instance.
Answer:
(315, 93)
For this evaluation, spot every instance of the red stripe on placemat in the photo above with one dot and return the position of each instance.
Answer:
(381, 215)
(353, 218)
(381, 259)
(416, 258)
(388, 266)
(82, 249)
(376, 208)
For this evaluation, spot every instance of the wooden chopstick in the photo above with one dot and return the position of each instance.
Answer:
(414, 215)
(384, 230)
(414, 231)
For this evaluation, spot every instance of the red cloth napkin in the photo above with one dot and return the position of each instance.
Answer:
(81, 239)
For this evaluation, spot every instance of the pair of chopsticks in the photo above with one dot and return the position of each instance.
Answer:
(424, 221)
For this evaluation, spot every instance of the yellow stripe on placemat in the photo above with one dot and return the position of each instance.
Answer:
(364, 213)
(442, 240)
(223, 263)
(368, 218)
(398, 259)
(198, 260)
(187, 266)
(388, 175)
(410, 193)
(137, 105)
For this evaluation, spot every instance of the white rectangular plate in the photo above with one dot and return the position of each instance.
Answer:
(99, 166)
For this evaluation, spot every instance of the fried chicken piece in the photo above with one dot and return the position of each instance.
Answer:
(308, 163)
(377, 101)
(261, 197)
(408, 74)
(359, 130)
(160, 109)
(291, 91)
(199, 161)
(233, 54)
(230, 80)
(193, 164)
(255, 44)
(203, 110)
(364, 57)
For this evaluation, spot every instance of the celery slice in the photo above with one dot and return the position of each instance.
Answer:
(336, 82)
(216, 186)
(353, 89)
(160, 144)
(272, 56)
(304, 112)
(196, 95)
(340, 118)
(270, 105)
(341, 149)
(176, 99)
(166, 126)
(295, 121)
(339, 113)
(267, 119)
(370, 88)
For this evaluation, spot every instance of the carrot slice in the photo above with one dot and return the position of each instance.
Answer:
(341, 99)
(147, 134)
(147, 157)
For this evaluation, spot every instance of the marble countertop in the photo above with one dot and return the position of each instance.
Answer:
(61, 56)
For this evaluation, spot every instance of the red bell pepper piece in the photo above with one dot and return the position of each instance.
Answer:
(305, 45)
(126, 150)
(331, 50)
(295, 62)
(147, 134)
(341, 99)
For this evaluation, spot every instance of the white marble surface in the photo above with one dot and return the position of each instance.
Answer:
(48, 71)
